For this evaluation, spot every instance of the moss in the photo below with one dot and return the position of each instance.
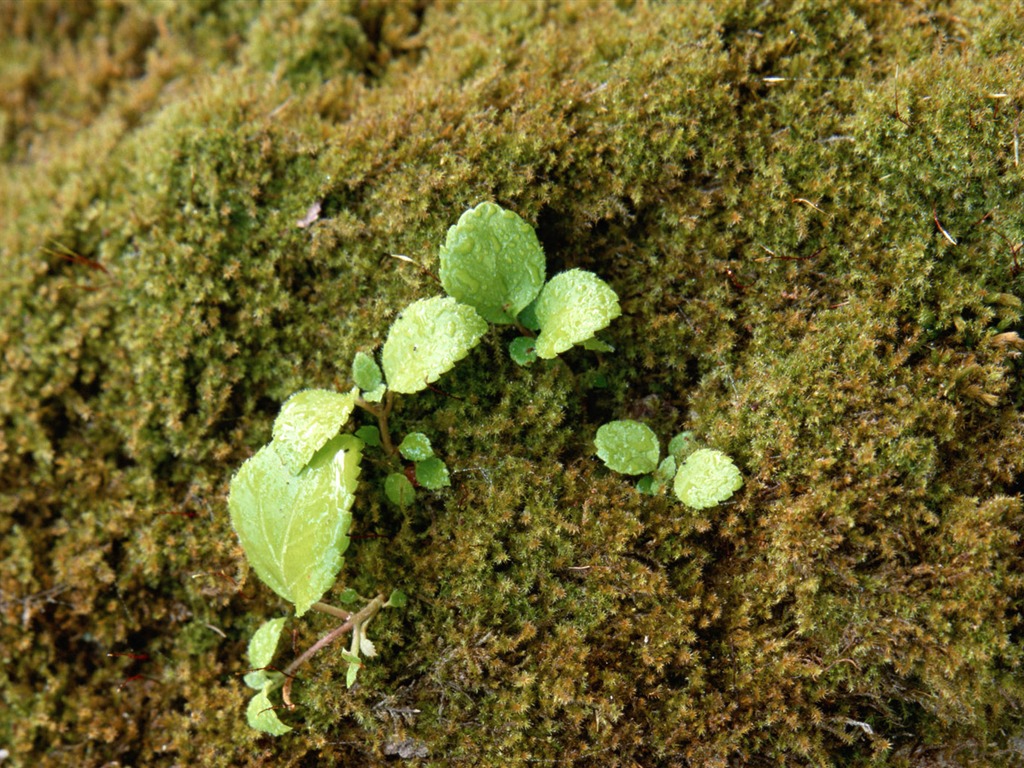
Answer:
(812, 215)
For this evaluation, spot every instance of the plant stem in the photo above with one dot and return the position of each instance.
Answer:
(354, 621)
(325, 608)
(381, 413)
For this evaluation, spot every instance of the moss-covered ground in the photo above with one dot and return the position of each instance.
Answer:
(813, 214)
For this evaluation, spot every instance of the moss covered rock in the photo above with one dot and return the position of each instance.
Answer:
(812, 214)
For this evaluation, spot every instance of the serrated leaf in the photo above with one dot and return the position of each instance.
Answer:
(571, 308)
(522, 351)
(308, 419)
(628, 447)
(365, 372)
(263, 643)
(492, 261)
(294, 528)
(399, 490)
(707, 477)
(416, 447)
(432, 474)
(366, 647)
(261, 715)
(426, 340)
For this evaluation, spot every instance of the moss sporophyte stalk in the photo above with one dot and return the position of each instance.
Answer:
(291, 503)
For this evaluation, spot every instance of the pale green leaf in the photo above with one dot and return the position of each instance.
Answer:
(376, 394)
(397, 599)
(365, 372)
(294, 528)
(307, 420)
(432, 474)
(426, 340)
(571, 308)
(707, 478)
(263, 643)
(262, 717)
(628, 447)
(492, 261)
(416, 447)
(366, 647)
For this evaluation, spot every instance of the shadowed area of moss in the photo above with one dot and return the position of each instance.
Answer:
(812, 214)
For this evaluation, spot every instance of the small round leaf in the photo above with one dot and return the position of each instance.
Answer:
(628, 447)
(426, 340)
(432, 474)
(522, 350)
(707, 478)
(571, 308)
(399, 490)
(492, 261)
(416, 447)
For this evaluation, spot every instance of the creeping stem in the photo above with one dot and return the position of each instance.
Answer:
(355, 622)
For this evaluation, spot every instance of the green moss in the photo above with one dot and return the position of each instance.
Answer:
(773, 190)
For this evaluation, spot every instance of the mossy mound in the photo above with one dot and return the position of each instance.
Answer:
(812, 214)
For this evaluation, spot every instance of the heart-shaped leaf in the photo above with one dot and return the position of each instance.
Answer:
(492, 261)
(426, 340)
(571, 308)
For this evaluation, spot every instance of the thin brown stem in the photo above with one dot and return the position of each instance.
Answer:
(354, 621)
(338, 612)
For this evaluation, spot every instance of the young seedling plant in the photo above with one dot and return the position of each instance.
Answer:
(704, 478)
(291, 502)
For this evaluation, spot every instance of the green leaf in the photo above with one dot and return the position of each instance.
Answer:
(399, 490)
(375, 395)
(263, 643)
(707, 478)
(348, 596)
(594, 344)
(262, 717)
(369, 435)
(528, 317)
(492, 261)
(426, 340)
(432, 474)
(294, 528)
(416, 447)
(365, 372)
(353, 667)
(307, 420)
(682, 445)
(628, 447)
(522, 350)
(571, 308)
(666, 471)
(398, 599)
(647, 485)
